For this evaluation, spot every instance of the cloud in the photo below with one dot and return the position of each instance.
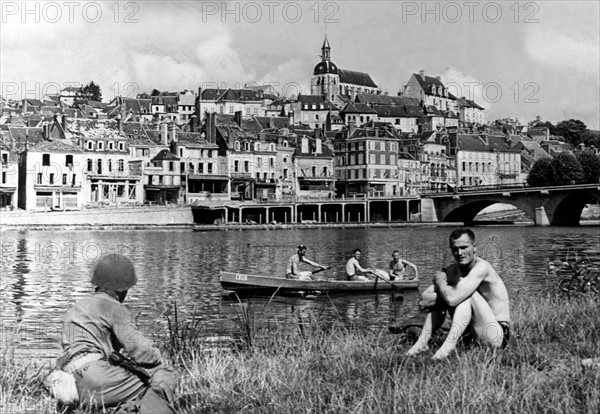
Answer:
(462, 84)
(573, 51)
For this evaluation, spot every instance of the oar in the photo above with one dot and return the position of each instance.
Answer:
(384, 279)
(321, 270)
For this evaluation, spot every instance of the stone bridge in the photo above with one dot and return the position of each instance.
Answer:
(556, 206)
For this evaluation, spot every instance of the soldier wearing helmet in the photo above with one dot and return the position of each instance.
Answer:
(100, 324)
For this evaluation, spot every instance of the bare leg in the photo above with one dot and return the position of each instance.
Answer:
(486, 327)
(460, 320)
(433, 321)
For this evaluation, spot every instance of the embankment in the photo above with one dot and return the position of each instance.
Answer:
(130, 217)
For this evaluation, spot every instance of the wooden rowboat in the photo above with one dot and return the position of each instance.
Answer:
(240, 282)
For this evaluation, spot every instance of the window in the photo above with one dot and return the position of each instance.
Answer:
(236, 145)
(90, 145)
(69, 161)
(3, 177)
(236, 166)
(73, 179)
(111, 146)
(272, 162)
(46, 160)
(246, 146)
(109, 165)
(210, 167)
(64, 180)
(259, 162)
(90, 165)
(39, 178)
(231, 109)
(201, 167)
(314, 171)
(100, 145)
(171, 166)
(180, 152)
(121, 165)
(246, 166)
(257, 146)
(51, 178)
(99, 166)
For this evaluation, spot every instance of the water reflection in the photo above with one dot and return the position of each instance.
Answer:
(44, 273)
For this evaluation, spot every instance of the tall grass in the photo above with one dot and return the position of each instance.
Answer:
(339, 369)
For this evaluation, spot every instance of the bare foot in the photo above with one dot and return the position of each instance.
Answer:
(441, 354)
(416, 349)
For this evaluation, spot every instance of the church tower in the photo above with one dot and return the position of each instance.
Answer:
(326, 79)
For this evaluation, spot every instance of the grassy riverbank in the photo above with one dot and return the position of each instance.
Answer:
(340, 370)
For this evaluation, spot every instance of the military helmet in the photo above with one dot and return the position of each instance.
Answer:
(114, 272)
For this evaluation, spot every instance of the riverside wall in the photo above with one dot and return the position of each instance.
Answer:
(148, 217)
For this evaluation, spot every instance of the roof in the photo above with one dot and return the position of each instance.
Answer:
(426, 82)
(484, 143)
(325, 67)
(267, 122)
(211, 94)
(315, 100)
(165, 155)
(357, 108)
(467, 103)
(356, 78)
(402, 111)
(377, 99)
(54, 146)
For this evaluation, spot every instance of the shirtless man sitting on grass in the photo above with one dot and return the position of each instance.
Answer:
(473, 294)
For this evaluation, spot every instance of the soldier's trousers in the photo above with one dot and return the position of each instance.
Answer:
(104, 385)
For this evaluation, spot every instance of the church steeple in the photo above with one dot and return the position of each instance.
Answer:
(326, 51)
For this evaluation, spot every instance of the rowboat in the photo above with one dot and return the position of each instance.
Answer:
(240, 282)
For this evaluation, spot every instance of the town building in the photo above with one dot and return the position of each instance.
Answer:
(332, 83)
(367, 161)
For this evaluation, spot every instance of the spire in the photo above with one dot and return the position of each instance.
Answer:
(326, 50)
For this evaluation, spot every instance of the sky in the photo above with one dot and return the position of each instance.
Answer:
(516, 59)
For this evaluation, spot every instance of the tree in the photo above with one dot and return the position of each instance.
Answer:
(571, 130)
(155, 92)
(566, 169)
(590, 138)
(92, 91)
(541, 173)
(590, 166)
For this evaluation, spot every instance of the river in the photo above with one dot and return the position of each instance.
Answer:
(45, 272)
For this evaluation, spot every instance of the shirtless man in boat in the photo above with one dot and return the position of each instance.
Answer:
(473, 294)
(352, 266)
(292, 271)
(397, 268)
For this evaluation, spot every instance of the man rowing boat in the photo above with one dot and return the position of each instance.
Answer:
(353, 267)
(397, 268)
(292, 271)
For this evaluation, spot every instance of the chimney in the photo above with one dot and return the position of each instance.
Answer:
(304, 147)
(64, 121)
(211, 128)
(291, 117)
(46, 131)
(238, 118)
(422, 74)
(119, 124)
(351, 128)
(164, 133)
(439, 78)
(173, 133)
(318, 146)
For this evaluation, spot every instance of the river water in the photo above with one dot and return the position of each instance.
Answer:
(44, 272)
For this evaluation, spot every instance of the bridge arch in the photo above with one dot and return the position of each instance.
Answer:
(566, 210)
(466, 212)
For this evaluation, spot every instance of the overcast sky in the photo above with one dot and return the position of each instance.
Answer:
(515, 59)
